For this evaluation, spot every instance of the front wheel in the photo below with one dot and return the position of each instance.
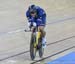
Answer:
(32, 48)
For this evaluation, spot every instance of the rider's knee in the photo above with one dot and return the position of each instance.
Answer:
(42, 31)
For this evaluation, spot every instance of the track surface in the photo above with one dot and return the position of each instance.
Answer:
(60, 28)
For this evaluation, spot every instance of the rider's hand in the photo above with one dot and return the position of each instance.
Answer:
(29, 23)
(32, 24)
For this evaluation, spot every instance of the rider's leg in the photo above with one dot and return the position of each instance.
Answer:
(41, 28)
(41, 24)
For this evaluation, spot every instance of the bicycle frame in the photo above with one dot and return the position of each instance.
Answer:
(37, 33)
(37, 36)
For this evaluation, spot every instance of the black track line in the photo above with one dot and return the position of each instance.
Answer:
(28, 50)
(14, 55)
(60, 40)
(53, 54)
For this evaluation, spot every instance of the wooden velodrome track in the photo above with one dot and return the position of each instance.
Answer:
(60, 29)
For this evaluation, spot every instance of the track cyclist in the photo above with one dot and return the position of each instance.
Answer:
(37, 17)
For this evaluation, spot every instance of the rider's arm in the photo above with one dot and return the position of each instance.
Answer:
(42, 16)
(28, 16)
(30, 20)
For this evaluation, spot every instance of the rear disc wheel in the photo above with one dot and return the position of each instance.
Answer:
(41, 49)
